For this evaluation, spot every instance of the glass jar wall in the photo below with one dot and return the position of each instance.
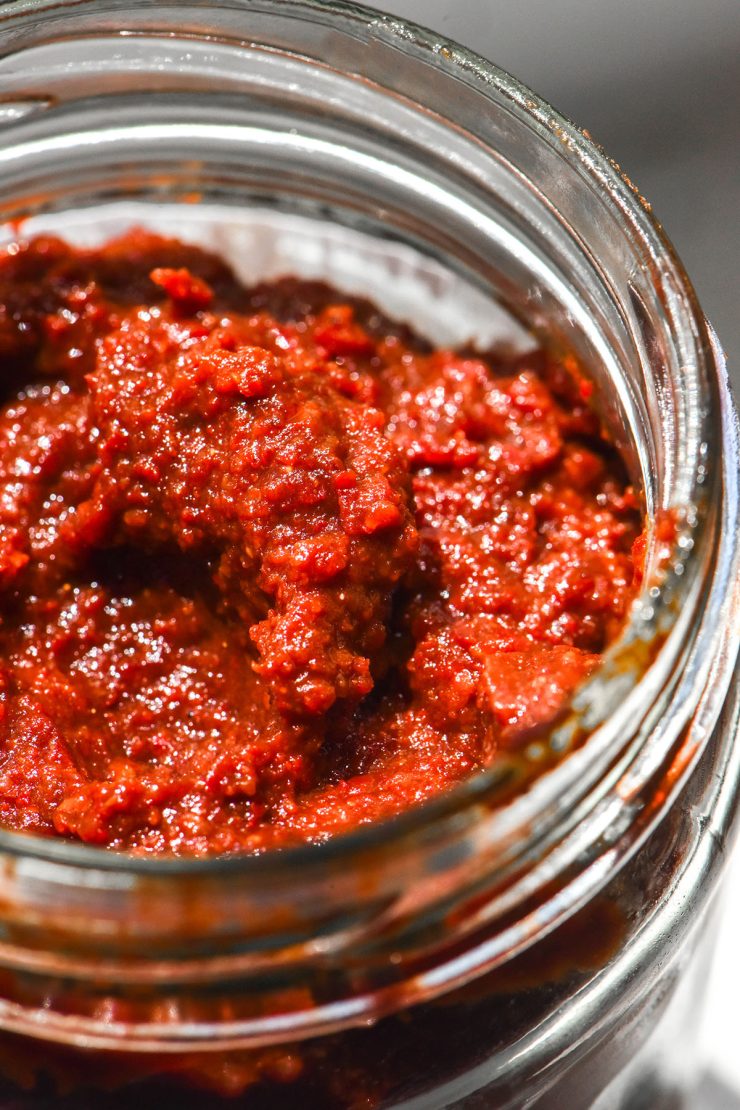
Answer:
(475, 952)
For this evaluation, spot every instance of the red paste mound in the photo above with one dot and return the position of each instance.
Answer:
(270, 567)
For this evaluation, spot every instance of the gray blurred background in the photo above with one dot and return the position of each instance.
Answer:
(657, 83)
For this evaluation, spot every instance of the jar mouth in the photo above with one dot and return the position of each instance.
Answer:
(599, 728)
(446, 891)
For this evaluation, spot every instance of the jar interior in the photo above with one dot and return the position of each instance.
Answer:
(317, 145)
(321, 147)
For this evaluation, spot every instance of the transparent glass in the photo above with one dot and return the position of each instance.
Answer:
(476, 952)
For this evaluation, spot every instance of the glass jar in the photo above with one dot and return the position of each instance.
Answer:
(494, 947)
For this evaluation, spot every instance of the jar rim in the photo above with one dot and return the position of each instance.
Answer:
(688, 322)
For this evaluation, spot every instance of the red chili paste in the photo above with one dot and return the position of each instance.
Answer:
(270, 566)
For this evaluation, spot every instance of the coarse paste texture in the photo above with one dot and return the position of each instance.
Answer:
(270, 566)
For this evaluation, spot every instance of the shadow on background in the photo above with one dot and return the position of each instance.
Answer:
(714, 1094)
